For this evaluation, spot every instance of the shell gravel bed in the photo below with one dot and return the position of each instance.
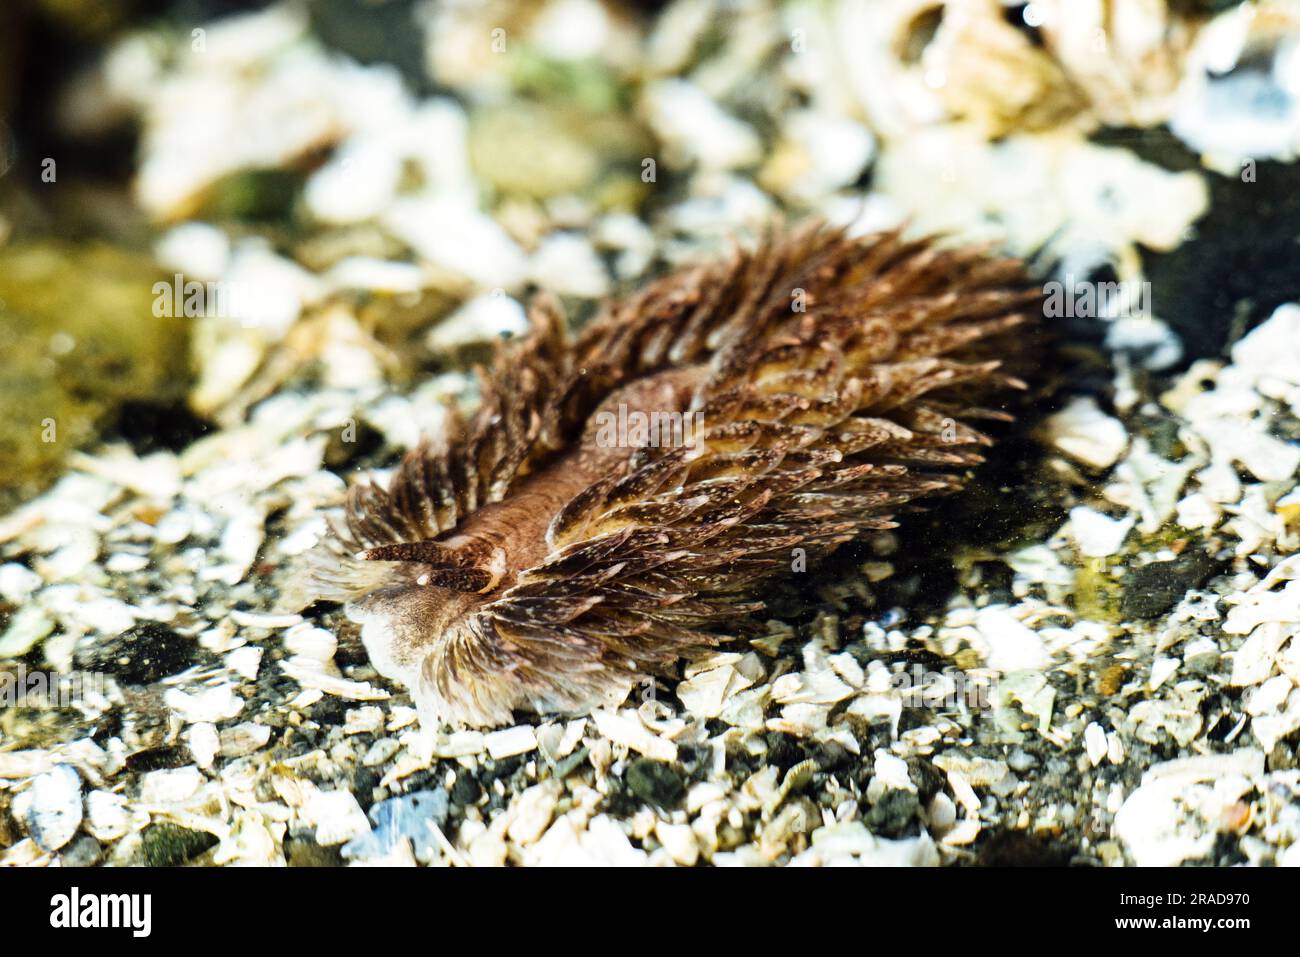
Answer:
(1088, 657)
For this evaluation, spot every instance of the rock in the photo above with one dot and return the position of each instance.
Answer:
(481, 319)
(1086, 434)
(1151, 590)
(1272, 349)
(1012, 645)
(1023, 849)
(106, 815)
(1098, 535)
(529, 149)
(243, 739)
(566, 766)
(85, 851)
(511, 742)
(818, 153)
(1173, 816)
(696, 128)
(566, 264)
(466, 790)
(170, 786)
(336, 815)
(142, 655)
(169, 845)
(402, 818)
(893, 815)
(679, 841)
(55, 812)
(655, 782)
(851, 843)
(453, 234)
(151, 426)
(214, 704)
(260, 195)
(373, 33)
(1094, 740)
(157, 759)
(301, 853)
(17, 582)
(1021, 760)
(27, 628)
(203, 742)
(531, 812)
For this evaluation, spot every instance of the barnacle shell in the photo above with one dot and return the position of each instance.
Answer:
(1126, 57)
(914, 63)
(528, 564)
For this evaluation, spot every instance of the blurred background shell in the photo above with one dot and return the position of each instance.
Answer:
(1240, 93)
(1005, 67)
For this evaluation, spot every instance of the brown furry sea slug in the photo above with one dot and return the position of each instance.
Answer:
(532, 561)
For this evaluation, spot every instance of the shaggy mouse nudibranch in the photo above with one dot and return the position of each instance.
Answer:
(555, 547)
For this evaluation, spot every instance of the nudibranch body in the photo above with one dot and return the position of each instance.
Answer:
(538, 559)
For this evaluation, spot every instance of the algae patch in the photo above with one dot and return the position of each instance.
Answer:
(79, 337)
